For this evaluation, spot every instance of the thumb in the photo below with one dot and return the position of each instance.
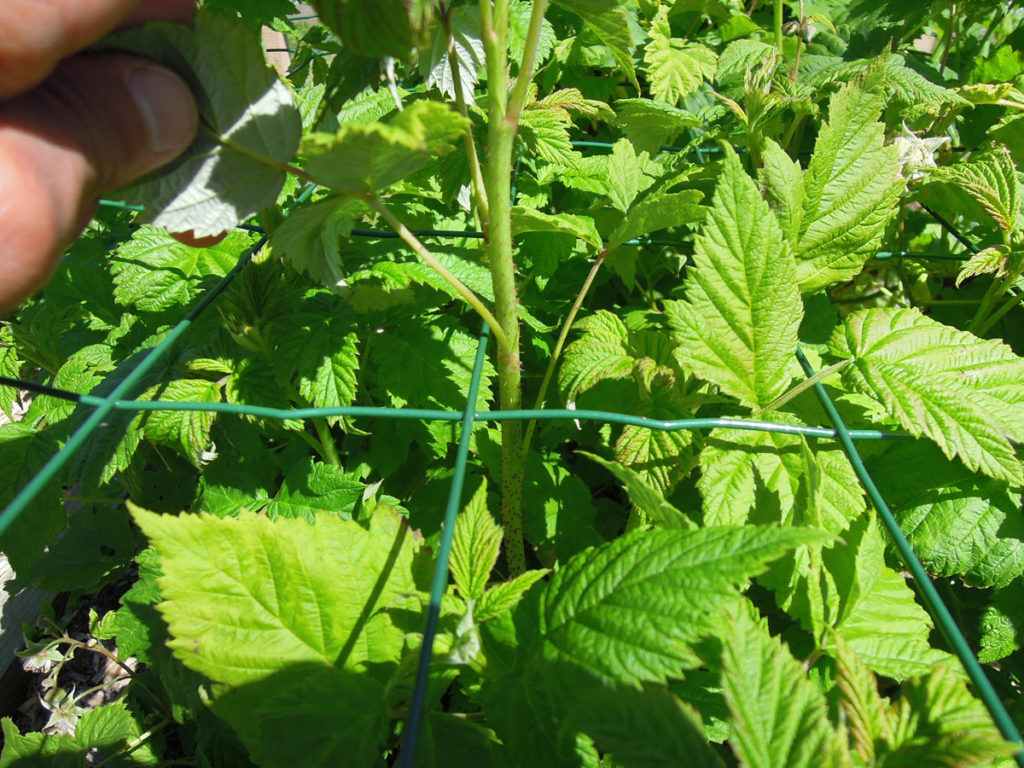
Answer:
(96, 123)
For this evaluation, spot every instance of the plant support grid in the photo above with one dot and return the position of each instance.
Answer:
(103, 406)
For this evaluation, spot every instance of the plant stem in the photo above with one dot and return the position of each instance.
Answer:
(327, 448)
(431, 261)
(502, 125)
(778, 25)
(556, 353)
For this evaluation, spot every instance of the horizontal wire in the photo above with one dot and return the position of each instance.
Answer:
(429, 414)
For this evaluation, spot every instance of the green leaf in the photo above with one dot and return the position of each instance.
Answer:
(545, 133)
(660, 458)
(331, 717)
(867, 714)
(784, 180)
(475, 547)
(188, 432)
(430, 367)
(1001, 623)
(887, 628)
(624, 181)
(24, 451)
(851, 186)
(751, 476)
(581, 227)
(649, 124)
(319, 349)
(991, 179)
(376, 28)
(959, 524)
(675, 68)
(369, 158)
(95, 550)
(644, 727)
(958, 390)
(938, 722)
(611, 23)
(447, 741)
(602, 352)
(113, 727)
(251, 126)
(34, 750)
(597, 613)
(312, 489)
(779, 716)
(738, 326)
(648, 500)
(154, 272)
(247, 597)
(742, 55)
(654, 213)
(505, 595)
(435, 65)
(310, 238)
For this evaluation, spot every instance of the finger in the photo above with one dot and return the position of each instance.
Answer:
(39, 33)
(98, 122)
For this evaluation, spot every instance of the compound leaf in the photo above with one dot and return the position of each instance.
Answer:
(958, 390)
(188, 432)
(738, 326)
(959, 524)
(990, 178)
(649, 124)
(646, 727)
(310, 238)
(645, 498)
(938, 722)
(851, 188)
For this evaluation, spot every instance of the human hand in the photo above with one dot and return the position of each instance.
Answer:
(73, 126)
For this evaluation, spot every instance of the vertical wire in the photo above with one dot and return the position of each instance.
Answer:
(440, 581)
(933, 601)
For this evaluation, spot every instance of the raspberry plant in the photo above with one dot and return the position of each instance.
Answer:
(668, 210)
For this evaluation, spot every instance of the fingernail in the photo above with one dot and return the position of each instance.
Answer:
(167, 108)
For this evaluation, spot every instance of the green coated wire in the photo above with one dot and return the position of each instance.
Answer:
(121, 205)
(424, 414)
(106, 405)
(933, 601)
(39, 481)
(440, 580)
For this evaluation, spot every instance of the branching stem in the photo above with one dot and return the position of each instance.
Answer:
(560, 343)
(431, 261)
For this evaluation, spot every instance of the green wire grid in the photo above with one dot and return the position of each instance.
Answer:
(103, 406)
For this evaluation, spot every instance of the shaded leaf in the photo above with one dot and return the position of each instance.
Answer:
(233, 170)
